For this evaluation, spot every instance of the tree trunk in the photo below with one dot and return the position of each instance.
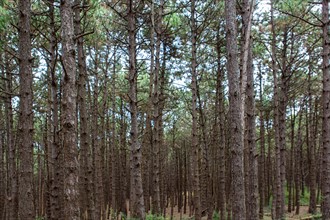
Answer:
(25, 128)
(312, 144)
(261, 168)
(114, 149)
(96, 145)
(278, 190)
(12, 194)
(84, 176)
(156, 113)
(326, 113)
(205, 178)
(194, 140)
(235, 111)
(136, 200)
(69, 121)
(298, 149)
(252, 197)
(247, 96)
(282, 105)
(220, 112)
(123, 163)
(2, 162)
(54, 158)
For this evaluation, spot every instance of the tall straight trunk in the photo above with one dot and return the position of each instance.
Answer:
(123, 163)
(11, 157)
(326, 113)
(261, 168)
(97, 156)
(185, 181)
(205, 178)
(291, 173)
(146, 153)
(39, 180)
(163, 151)
(252, 197)
(147, 141)
(54, 158)
(25, 127)
(86, 200)
(278, 190)
(114, 149)
(136, 200)
(247, 96)
(311, 137)
(194, 140)
(69, 122)
(219, 123)
(235, 111)
(156, 113)
(282, 105)
(106, 126)
(269, 163)
(312, 144)
(228, 171)
(2, 164)
(298, 165)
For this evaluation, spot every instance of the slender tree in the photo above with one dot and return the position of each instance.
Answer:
(326, 113)
(261, 167)
(136, 200)
(68, 116)
(85, 188)
(26, 199)
(157, 28)
(2, 165)
(194, 140)
(11, 157)
(235, 112)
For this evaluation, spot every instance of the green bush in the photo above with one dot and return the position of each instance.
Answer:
(216, 216)
(154, 217)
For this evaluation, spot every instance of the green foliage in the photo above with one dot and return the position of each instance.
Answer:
(4, 16)
(293, 5)
(173, 19)
(216, 216)
(154, 217)
(317, 217)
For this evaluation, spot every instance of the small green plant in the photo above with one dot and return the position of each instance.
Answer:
(216, 216)
(317, 217)
(123, 216)
(154, 217)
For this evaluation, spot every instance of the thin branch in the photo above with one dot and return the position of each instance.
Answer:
(315, 3)
(298, 17)
(9, 93)
(84, 34)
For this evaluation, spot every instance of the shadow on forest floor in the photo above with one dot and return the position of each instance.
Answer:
(303, 214)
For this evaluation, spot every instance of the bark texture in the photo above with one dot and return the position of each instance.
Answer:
(235, 111)
(194, 140)
(26, 203)
(68, 119)
(85, 190)
(136, 201)
(326, 114)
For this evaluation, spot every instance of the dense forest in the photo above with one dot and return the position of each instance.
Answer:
(154, 109)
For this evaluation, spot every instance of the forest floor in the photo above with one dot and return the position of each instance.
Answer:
(289, 216)
(303, 214)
